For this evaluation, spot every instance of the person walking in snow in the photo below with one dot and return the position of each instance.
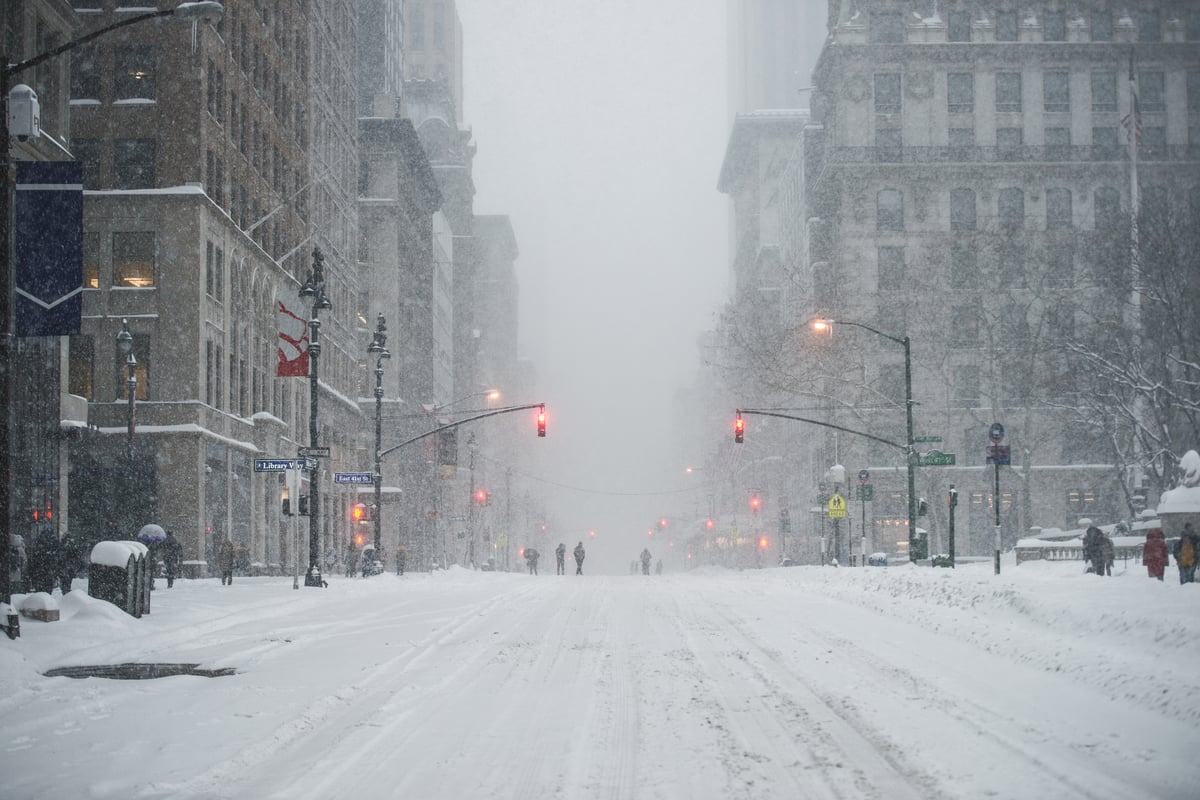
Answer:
(70, 563)
(560, 556)
(646, 560)
(1107, 553)
(172, 552)
(44, 560)
(351, 558)
(225, 561)
(531, 559)
(1187, 550)
(579, 554)
(1093, 549)
(1154, 553)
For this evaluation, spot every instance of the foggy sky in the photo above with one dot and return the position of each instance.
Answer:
(600, 130)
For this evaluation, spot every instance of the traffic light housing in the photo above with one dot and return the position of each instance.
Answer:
(755, 502)
(739, 429)
(304, 505)
(360, 513)
(541, 421)
(922, 507)
(481, 497)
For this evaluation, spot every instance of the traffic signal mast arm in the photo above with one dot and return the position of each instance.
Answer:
(508, 410)
(765, 413)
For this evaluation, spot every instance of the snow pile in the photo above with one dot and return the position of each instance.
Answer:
(117, 554)
(38, 601)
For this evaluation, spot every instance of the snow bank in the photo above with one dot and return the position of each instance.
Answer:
(1183, 500)
(116, 554)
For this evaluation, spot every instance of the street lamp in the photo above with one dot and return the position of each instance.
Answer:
(7, 73)
(314, 288)
(125, 345)
(910, 451)
(377, 349)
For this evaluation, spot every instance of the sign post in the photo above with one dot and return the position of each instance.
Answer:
(996, 434)
(865, 492)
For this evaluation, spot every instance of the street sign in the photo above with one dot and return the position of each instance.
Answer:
(865, 492)
(822, 487)
(996, 433)
(863, 476)
(309, 465)
(837, 507)
(1000, 454)
(313, 452)
(935, 458)
(822, 499)
(928, 439)
(353, 477)
(276, 464)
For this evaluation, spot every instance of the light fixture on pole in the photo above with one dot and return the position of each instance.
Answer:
(125, 345)
(910, 445)
(314, 288)
(377, 349)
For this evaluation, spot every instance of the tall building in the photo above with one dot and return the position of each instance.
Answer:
(434, 46)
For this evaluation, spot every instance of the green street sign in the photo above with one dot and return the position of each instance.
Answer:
(935, 458)
(928, 439)
(823, 498)
(864, 492)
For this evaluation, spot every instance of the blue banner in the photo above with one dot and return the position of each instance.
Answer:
(48, 248)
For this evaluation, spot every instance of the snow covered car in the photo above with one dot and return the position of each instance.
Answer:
(877, 560)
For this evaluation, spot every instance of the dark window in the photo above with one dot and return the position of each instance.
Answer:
(1008, 91)
(889, 144)
(1107, 204)
(1193, 90)
(1060, 264)
(1006, 26)
(133, 259)
(1151, 91)
(958, 27)
(133, 163)
(1102, 26)
(85, 74)
(964, 265)
(1104, 91)
(416, 28)
(87, 153)
(140, 351)
(1058, 137)
(1010, 208)
(134, 70)
(1104, 139)
(887, 28)
(962, 210)
(887, 92)
(1149, 25)
(81, 370)
(966, 386)
(1009, 141)
(964, 326)
(1153, 143)
(1010, 268)
(1191, 24)
(889, 210)
(1154, 203)
(1054, 26)
(960, 92)
(1056, 91)
(891, 267)
(91, 261)
(1058, 208)
(962, 137)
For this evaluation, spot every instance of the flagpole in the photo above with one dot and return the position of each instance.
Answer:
(1134, 133)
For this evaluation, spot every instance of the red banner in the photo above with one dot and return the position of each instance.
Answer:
(293, 335)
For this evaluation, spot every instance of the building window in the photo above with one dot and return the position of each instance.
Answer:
(1151, 91)
(1058, 138)
(1060, 265)
(1102, 26)
(141, 351)
(1149, 25)
(133, 163)
(1006, 26)
(87, 153)
(886, 28)
(1107, 205)
(889, 144)
(1009, 142)
(961, 137)
(1010, 208)
(439, 26)
(891, 267)
(958, 26)
(81, 367)
(1153, 143)
(416, 29)
(964, 265)
(1104, 91)
(1193, 90)
(964, 326)
(960, 92)
(85, 74)
(1104, 143)
(133, 259)
(1008, 91)
(214, 271)
(91, 261)
(966, 386)
(1058, 208)
(962, 210)
(1054, 26)
(1056, 91)
(887, 92)
(134, 70)
(889, 210)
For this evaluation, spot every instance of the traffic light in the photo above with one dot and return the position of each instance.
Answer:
(481, 497)
(358, 540)
(286, 507)
(755, 502)
(709, 523)
(304, 505)
(922, 507)
(739, 429)
(763, 542)
(541, 421)
(360, 513)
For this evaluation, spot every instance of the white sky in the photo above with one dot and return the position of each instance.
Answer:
(808, 682)
(600, 130)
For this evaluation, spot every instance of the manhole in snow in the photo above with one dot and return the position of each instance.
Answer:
(137, 672)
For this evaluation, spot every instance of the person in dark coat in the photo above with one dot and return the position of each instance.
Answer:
(1107, 552)
(70, 563)
(579, 554)
(1154, 553)
(401, 559)
(172, 555)
(225, 560)
(45, 561)
(531, 559)
(1093, 549)
(646, 560)
(1187, 553)
(560, 556)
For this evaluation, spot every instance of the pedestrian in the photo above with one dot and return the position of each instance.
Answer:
(70, 563)
(560, 555)
(401, 559)
(646, 560)
(1154, 553)
(1093, 549)
(579, 554)
(531, 559)
(44, 561)
(1187, 550)
(225, 560)
(172, 553)
(658, 567)
(351, 558)
(1107, 553)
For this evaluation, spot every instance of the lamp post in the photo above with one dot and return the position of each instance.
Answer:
(7, 73)
(125, 345)
(910, 454)
(377, 349)
(314, 288)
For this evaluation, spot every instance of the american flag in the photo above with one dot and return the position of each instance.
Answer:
(1132, 122)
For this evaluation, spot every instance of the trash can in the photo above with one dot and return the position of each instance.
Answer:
(117, 573)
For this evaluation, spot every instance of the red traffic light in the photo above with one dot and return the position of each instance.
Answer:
(541, 421)
(481, 497)
(708, 523)
(755, 502)
(662, 523)
(739, 429)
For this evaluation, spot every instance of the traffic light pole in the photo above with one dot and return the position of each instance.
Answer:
(449, 425)
(380, 352)
(314, 288)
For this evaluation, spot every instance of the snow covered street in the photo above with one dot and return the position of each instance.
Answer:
(785, 683)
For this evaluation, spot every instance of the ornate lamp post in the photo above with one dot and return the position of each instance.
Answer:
(314, 288)
(125, 345)
(377, 349)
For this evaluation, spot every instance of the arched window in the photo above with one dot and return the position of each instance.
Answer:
(1107, 205)
(962, 209)
(889, 210)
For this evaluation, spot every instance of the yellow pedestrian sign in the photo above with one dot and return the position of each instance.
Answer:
(837, 507)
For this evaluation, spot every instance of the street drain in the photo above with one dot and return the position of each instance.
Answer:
(137, 672)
